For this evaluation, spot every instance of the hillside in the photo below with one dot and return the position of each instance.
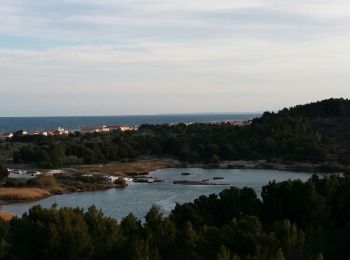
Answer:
(315, 133)
(327, 122)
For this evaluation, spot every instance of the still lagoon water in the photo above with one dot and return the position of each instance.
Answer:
(139, 197)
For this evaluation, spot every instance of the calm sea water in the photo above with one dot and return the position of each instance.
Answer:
(139, 197)
(75, 123)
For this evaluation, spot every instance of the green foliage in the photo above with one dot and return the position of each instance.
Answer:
(3, 172)
(198, 230)
(292, 239)
(315, 132)
(45, 182)
(4, 246)
(224, 253)
(292, 220)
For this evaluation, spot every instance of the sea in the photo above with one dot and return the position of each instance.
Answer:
(8, 124)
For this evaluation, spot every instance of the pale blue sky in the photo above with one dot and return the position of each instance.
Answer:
(111, 57)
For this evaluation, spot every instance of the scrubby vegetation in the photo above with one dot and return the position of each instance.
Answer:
(316, 132)
(60, 183)
(13, 194)
(293, 220)
(5, 215)
(3, 172)
(82, 177)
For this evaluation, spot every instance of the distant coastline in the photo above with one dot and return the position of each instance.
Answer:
(60, 131)
(71, 123)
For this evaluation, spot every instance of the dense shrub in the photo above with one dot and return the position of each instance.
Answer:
(294, 220)
(315, 132)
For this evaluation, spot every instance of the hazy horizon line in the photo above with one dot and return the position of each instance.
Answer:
(155, 114)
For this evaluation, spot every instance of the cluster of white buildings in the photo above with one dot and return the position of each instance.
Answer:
(107, 129)
(23, 174)
(232, 122)
(58, 131)
(240, 122)
(112, 179)
(62, 131)
(6, 135)
(101, 129)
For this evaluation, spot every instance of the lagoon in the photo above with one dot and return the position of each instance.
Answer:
(139, 197)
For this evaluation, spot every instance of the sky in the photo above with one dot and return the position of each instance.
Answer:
(121, 57)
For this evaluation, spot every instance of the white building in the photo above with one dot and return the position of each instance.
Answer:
(102, 129)
(53, 172)
(61, 131)
(22, 132)
(123, 128)
(34, 173)
(6, 135)
(112, 178)
(48, 132)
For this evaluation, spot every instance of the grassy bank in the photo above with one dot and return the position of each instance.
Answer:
(22, 194)
(128, 168)
(4, 215)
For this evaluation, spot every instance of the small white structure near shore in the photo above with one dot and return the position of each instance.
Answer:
(102, 129)
(34, 173)
(61, 131)
(23, 174)
(123, 128)
(21, 132)
(56, 171)
(5, 136)
(107, 129)
(112, 179)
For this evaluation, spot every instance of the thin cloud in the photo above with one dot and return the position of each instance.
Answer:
(164, 48)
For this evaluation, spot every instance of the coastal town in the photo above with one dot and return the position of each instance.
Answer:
(101, 129)
(63, 131)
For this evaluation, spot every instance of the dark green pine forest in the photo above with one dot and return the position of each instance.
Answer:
(288, 220)
(292, 220)
(316, 132)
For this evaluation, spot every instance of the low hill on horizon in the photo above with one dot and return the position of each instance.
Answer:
(326, 123)
(313, 133)
(327, 108)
